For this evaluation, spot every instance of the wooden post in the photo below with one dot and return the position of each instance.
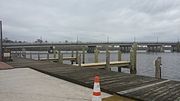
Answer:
(60, 57)
(133, 54)
(38, 56)
(108, 61)
(72, 55)
(76, 57)
(83, 55)
(96, 55)
(30, 55)
(25, 54)
(79, 60)
(54, 53)
(48, 56)
(119, 59)
(158, 68)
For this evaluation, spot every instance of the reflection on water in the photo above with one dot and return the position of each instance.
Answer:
(145, 63)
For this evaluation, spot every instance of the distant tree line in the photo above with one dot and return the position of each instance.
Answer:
(6, 40)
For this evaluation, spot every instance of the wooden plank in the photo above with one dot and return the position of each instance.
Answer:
(113, 63)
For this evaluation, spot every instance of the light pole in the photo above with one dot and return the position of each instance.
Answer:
(1, 38)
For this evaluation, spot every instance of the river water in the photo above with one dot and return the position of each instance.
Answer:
(145, 63)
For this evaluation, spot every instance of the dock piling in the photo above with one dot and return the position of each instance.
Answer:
(60, 57)
(96, 55)
(158, 68)
(83, 55)
(30, 55)
(77, 57)
(38, 56)
(72, 55)
(119, 59)
(79, 60)
(48, 56)
(108, 61)
(133, 56)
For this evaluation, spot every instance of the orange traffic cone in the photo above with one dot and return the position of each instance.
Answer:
(96, 89)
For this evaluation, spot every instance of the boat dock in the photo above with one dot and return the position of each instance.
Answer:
(128, 85)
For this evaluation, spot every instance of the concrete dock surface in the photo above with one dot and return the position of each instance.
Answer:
(24, 84)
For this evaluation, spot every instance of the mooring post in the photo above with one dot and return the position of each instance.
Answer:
(79, 60)
(54, 52)
(38, 56)
(133, 56)
(30, 55)
(119, 59)
(96, 55)
(158, 68)
(108, 61)
(77, 57)
(48, 56)
(25, 54)
(60, 57)
(72, 55)
(83, 55)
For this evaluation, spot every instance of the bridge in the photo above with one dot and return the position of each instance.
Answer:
(90, 46)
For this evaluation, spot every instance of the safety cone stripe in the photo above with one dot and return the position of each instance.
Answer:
(97, 93)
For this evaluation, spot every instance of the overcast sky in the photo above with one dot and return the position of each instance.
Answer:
(91, 20)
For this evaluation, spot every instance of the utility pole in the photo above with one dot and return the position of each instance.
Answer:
(1, 38)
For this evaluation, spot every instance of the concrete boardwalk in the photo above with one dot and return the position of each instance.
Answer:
(25, 84)
(133, 86)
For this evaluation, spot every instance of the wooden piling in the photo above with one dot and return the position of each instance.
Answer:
(96, 55)
(54, 53)
(60, 57)
(158, 68)
(133, 53)
(38, 56)
(30, 55)
(108, 61)
(83, 55)
(119, 59)
(72, 55)
(76, 57)
(48, 56)
(79, 60)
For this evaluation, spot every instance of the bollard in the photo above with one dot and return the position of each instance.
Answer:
(79, 60)
(158, 68)
(108, 61)
(76, 57)
(119, 59)
(83, 55)
(96, 55)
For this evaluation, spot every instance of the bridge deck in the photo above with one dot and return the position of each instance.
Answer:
(103, 64)
(133, 86)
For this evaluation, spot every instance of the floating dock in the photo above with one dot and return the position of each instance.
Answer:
(127, 85)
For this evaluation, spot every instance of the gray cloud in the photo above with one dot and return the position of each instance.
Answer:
(91, 20)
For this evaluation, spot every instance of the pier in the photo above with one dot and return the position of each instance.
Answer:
(128, 85)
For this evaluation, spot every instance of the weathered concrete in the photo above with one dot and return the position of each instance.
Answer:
(25, 84)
